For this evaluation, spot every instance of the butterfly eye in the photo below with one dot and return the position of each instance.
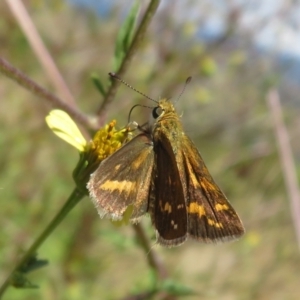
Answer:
(156, 112)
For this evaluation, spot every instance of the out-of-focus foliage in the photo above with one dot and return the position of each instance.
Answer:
(223, 110)
(124, 38)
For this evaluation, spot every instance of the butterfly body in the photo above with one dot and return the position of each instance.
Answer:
(160, 171)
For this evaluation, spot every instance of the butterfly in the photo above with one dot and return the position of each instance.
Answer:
(161, 172)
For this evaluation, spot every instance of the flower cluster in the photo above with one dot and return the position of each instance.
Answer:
(105, 142)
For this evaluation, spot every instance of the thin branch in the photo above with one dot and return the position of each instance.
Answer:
(19, 11)
(150, 295)
(286, 157)
(133, 47)
(72, 201)
(153, 259)
(141, 296)
(7, 69)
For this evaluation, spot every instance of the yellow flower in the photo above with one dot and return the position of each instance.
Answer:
(64, 127)
(108, 139)
(105, 142)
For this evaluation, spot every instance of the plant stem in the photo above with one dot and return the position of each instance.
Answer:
(286, 157)
(15, 74)
(18, 9)
(74, 198)
(154, 260)
(133, 47)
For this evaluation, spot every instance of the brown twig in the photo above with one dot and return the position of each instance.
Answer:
(156, 263)
(141, 296)
(150, 295)
(7, 69)
(286, 157)
(19, 11)
(133, 47)
(153, 259)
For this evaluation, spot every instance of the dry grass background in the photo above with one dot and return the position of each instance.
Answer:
(226, 115)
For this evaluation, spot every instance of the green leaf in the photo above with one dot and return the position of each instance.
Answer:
(125, 36)
(33, 263)
(98, 84)
(175, 288)
(19, 280)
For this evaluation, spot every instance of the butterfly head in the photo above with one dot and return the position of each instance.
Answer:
(164, 108)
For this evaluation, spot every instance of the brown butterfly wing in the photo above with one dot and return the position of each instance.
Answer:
(167, 205)
(211, 218)
(124, 179)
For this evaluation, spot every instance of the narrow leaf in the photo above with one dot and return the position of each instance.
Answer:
(98, 84)
(125, 36)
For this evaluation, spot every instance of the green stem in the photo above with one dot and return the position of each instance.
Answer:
(74, 198)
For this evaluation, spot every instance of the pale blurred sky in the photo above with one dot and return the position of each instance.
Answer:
(273, 24)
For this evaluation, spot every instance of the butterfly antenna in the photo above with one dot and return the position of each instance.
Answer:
(133, 107)
(188, 80)
(115, 76)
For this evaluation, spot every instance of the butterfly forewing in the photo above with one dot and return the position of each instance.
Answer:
(211, 218)
(167, 204)
(124, 179)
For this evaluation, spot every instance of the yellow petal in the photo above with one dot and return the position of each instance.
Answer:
(64, 127)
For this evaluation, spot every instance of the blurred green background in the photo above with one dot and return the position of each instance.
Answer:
(224, 111)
